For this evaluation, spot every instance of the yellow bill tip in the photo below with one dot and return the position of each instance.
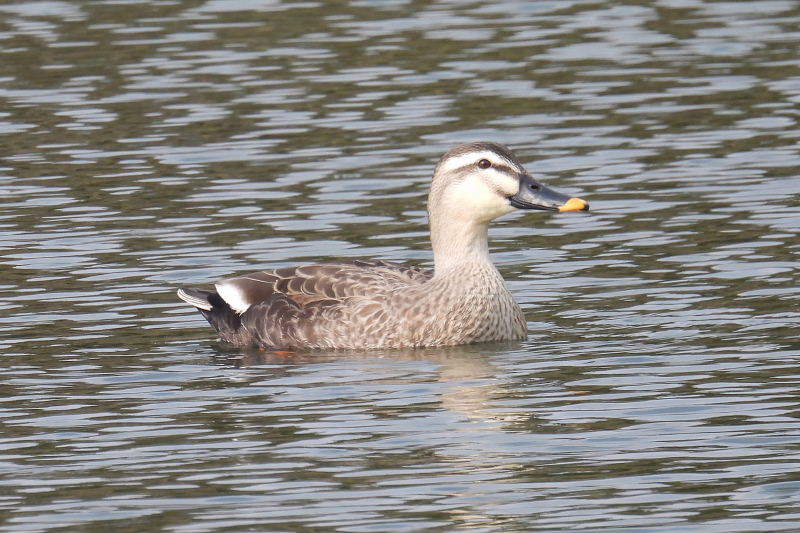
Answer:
(575, 204)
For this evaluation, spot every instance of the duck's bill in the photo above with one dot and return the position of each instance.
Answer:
(533, 195)
(575, 204)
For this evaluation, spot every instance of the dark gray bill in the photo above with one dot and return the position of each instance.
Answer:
(534, 195)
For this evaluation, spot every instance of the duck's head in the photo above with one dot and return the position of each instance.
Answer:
(481, 181)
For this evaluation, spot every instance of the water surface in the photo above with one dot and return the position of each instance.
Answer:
(149, 145)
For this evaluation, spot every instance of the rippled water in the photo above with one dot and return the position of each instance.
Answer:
(152, 144)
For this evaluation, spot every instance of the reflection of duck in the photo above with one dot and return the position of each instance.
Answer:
(461, 379)
(376, 304)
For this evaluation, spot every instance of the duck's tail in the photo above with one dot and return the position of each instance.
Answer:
(218, 313)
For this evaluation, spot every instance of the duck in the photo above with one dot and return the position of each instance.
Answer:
(377, 304)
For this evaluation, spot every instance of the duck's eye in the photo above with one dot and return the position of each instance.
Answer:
(484, 163)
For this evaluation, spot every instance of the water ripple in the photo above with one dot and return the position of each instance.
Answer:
(656, 389)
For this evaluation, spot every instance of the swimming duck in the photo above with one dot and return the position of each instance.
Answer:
(382, 304)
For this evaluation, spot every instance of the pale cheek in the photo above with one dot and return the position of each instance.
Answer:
(506, 184)
(475, 201)
(503, 208)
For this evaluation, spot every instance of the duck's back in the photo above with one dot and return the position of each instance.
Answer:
(330, 283)
(340, 305)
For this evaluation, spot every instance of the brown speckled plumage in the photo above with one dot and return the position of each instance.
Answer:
(379, 304)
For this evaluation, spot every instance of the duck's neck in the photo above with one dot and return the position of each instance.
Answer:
(459, 246)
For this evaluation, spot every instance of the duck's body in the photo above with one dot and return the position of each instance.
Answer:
(377, 304)
(367, 304)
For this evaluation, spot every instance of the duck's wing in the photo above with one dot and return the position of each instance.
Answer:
(310, 284)
(280, 322)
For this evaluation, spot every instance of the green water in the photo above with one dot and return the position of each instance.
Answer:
(148, 145)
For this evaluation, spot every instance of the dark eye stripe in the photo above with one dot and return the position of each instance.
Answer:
(505, 168)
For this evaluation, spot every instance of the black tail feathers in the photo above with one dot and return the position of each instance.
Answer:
(218, 313)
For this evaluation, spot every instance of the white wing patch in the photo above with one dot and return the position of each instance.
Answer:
(233, 296)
